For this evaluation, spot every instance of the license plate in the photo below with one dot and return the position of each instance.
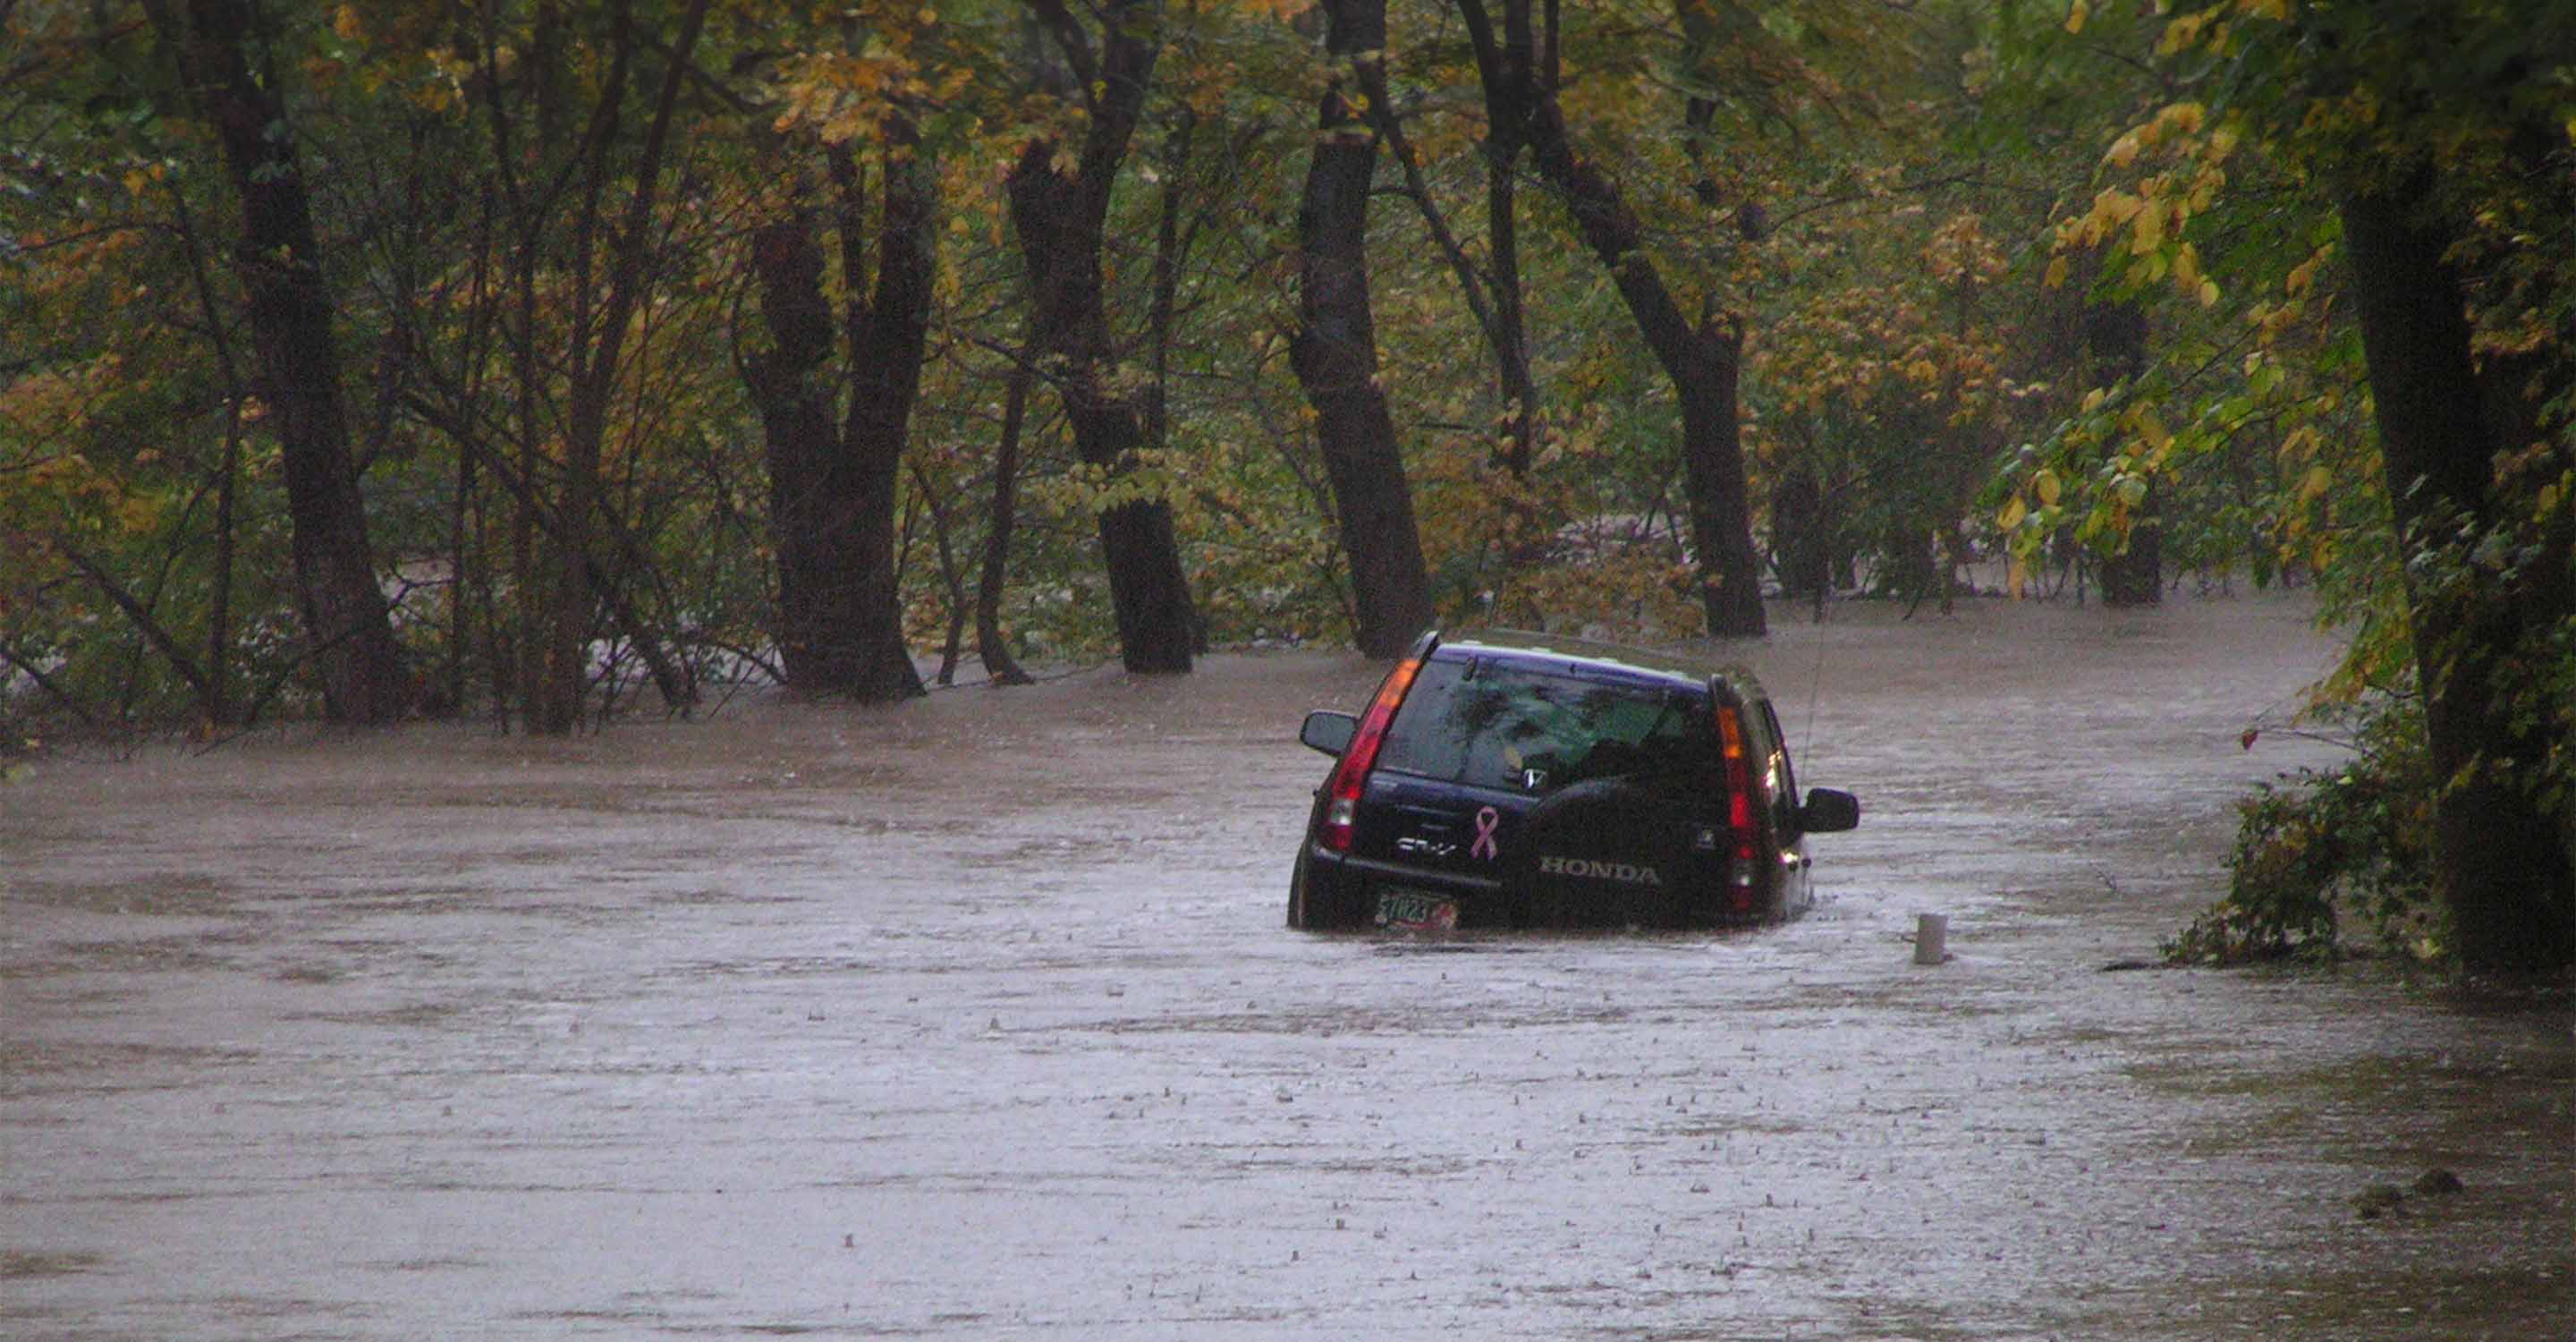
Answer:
(1405, 910)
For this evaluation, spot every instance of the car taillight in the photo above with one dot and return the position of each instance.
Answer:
(1350, 777)
(1743, 841)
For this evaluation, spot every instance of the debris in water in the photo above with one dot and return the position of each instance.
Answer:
(2438, 1182)
(2380, 1200)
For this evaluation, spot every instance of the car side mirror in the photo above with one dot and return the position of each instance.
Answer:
(1328, 731)
(1828, 810)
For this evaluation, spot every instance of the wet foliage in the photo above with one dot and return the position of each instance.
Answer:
(2328, 858)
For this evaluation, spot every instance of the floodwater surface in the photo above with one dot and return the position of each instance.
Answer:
(975, 1018)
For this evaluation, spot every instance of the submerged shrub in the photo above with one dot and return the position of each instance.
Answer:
(2326, 855)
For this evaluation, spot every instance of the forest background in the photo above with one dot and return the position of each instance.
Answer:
(522, 358)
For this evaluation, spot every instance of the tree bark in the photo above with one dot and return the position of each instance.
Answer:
(2500, 864)
(346, 619)
(1334, 353)
(1061, 218)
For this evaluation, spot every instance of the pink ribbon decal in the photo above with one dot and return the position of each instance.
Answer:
(1484, 845)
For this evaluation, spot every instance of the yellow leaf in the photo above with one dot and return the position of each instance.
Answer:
(2056, 276)
(135, 182)
(2123, 151)
(2152, 430)
(2076, 15)
(2184, 31)
(2019, 575)
(2149, 232)
(2046, 485)
(2318, 480)
(2012, 514)
(2209, 293)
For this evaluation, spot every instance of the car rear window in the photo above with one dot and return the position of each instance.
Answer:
(1494, 725)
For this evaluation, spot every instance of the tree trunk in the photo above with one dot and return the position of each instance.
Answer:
(572, 599)
(793, 396)
(2135, 576)
(833, 483)
(990, 647)
(344, 610)
(1799, 538)
(1509, 333)
(888, 338)
(1061, 219)
(1499, 317)
(1335, 357)
(2500, 865)
(1702, 359)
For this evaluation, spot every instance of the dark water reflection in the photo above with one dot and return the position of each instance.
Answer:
(975, 1018)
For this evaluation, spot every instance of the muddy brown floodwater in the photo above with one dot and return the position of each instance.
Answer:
(975, 1018)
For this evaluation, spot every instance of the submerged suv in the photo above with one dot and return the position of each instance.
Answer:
(1521, 780)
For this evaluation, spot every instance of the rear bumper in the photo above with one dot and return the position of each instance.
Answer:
(1342, 892)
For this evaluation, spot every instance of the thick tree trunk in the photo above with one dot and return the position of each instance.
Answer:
(2135, 576)
(833, 483)
(888, 338)
(344, 610)
(1335, 357)
(807, 497)
(2500, 866)
(1061, 219)
(1704, 372)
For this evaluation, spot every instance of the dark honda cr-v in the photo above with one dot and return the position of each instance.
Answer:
(1521, 780)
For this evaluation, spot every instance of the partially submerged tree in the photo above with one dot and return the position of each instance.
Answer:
(222, 49)
(1702, 353)
(2434, 135)
(836, 397)
(1060, 188)
(1335, 347)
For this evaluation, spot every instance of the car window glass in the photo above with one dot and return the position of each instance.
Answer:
(1500, 726)
(1781, 781)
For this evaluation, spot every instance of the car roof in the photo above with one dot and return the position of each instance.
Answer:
(1685, 666)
